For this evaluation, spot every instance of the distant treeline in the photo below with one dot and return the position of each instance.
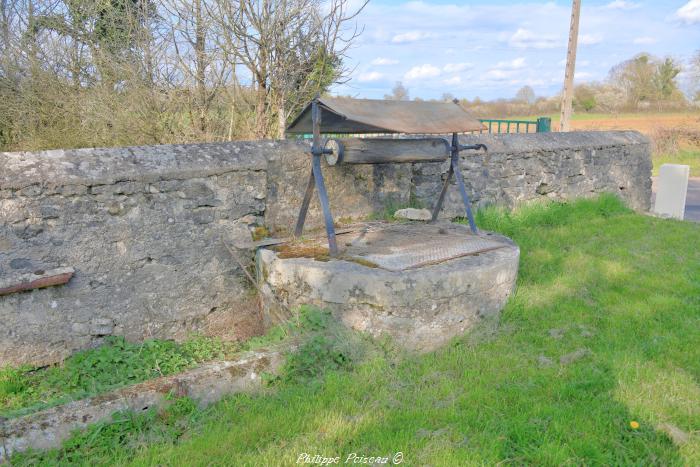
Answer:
(642, 83)
(81, 73)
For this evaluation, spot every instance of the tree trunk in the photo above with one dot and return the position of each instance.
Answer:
(261, 109)
(281, 118)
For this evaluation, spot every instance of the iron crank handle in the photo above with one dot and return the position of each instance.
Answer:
(473, 146)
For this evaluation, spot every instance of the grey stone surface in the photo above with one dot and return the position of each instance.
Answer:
(526, 167)
(420, 308)
(142, 227)
(143, 233)
(354, 191)
(574, 356)
(413, 214)
(205, 384)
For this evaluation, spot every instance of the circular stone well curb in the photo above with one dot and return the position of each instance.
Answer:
(420, 308)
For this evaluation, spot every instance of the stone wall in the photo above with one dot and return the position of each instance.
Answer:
(144, 228)
(520, 168)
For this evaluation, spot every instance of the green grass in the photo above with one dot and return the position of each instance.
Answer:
(688, 157)
(118, 363)
(115, 364)
(593, 276)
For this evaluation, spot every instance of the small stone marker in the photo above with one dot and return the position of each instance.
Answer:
(413, 214)
(673, 187)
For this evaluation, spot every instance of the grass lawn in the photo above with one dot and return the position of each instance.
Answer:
(686, 157)
(604, 330)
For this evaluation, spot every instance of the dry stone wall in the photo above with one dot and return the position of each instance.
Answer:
(144, 228)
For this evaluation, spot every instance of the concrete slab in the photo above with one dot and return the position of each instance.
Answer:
(673, 187)
(206, 384)
(692, 199)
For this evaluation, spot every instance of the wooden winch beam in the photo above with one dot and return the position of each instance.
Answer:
(382, 151)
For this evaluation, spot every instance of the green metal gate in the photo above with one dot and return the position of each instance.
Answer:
(541, 125)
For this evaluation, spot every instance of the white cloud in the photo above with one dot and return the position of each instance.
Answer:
(622, 5)
(455, 80)
(491, 34)
(583, 75)
(422, 72)
(379, 61)
(370, 76)
(590, 39)
(411, 36)
(644, 40)
(690, 12)
(497, 75)
(505, 70)
(515, 64)
(457, 67)
(524, 39)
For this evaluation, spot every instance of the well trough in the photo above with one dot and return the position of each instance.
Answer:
(421, 283)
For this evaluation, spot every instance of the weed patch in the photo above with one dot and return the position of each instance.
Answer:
(115, 364)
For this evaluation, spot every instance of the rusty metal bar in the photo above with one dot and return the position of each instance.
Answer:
(47, 280)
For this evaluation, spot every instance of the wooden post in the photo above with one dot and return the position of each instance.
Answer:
(568, 93)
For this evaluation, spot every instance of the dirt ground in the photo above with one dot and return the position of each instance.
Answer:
(644, 123)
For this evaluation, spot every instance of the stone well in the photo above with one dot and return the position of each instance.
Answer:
(422, 284)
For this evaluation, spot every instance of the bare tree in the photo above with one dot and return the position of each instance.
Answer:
(198, 65)
(398, 93)
(695, 75)
(526, 95)
(112, 72)
(291, 49)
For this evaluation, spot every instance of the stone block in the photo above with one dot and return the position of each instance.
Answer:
(672, 191)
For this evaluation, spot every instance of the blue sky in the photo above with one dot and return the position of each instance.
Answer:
(492, 48)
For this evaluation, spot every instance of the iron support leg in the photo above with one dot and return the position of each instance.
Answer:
(316, 178)
(454, 168)
(460, 179)
(441, 199)
(463, 191)
(305, 205)
(325, 205)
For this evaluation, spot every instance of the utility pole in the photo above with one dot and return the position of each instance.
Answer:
(568, 94)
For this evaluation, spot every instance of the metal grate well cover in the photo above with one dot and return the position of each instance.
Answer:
(397, 247)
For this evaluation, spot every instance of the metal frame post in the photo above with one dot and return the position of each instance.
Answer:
(454, 169)
(316, 178)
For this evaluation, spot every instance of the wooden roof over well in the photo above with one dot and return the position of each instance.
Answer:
(345, 115)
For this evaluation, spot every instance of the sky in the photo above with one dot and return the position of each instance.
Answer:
(490, 49)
